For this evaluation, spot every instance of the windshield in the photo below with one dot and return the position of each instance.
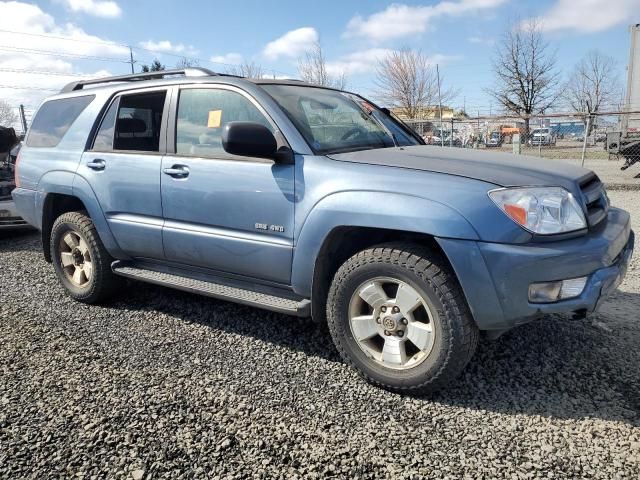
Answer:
(332, 121)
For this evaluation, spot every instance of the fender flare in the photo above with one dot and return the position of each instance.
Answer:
(370, 209)
(83, 191)
(70, 184)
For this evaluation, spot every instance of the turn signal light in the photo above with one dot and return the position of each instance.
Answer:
(549, 292)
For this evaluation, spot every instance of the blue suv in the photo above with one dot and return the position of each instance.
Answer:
(313, 201)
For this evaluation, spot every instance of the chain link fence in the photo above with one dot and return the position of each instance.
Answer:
(608, 141)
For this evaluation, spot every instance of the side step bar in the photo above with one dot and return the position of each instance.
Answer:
(299, 308)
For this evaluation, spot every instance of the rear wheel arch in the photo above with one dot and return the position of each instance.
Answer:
(54, 205)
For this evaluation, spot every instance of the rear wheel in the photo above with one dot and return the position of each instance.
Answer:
(80, 260)
(397, 314)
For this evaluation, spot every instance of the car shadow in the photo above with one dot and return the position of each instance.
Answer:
(554, 367)
(19, 240)
(560, 368)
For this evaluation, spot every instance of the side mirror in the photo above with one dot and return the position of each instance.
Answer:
(249, 139)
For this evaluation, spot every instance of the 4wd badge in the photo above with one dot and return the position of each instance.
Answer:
(273, 228)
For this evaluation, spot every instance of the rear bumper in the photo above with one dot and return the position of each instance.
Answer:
(9, 217)
(25, 203)
(496, 277)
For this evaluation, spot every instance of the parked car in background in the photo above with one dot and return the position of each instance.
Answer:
(542, 136)
(600, 137)
(9, 148)
(313, 201)
(494, 139)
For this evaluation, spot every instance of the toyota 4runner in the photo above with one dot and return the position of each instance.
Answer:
(313, 201)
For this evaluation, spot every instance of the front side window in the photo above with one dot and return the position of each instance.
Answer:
(203, 113)
(53, 120)
(133, 122)
(332, 121)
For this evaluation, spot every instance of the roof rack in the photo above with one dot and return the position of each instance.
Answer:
(136, 77)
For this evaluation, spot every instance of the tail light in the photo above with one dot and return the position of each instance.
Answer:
(16, 179)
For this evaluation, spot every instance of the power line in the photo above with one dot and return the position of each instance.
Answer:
(30, 88)
(60, 54)
(42, 35)
(116, 44)
(41, 72)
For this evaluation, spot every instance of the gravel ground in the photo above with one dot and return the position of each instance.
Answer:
(162, 384)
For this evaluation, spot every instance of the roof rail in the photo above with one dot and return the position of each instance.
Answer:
(136, 77)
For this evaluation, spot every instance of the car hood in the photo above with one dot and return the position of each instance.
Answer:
(502, 169)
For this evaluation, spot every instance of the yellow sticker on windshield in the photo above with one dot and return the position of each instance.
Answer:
(215, 116)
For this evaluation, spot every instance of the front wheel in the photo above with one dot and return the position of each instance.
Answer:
(397, 314)
(80, 260)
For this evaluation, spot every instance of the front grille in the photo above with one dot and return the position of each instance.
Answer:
(595, 200)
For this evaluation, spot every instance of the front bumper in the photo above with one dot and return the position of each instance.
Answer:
(496, 277)
(9, 217)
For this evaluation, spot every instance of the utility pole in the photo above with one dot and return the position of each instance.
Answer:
(131, 61)
(451, 135)
(23, 119)
(440, 105)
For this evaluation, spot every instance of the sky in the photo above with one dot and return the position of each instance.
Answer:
(45, 44)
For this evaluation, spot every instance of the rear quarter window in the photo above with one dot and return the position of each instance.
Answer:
(54, 119)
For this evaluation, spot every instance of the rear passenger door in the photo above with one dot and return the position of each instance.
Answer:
(225, 212)
(123, 168)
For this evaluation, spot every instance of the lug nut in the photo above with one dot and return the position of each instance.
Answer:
(404, 321)
(395, 310)
(400, 333)
(387, 332)
(383, 308)
(378, 320)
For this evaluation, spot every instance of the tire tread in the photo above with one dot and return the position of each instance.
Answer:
(105, 282)
(434, 270)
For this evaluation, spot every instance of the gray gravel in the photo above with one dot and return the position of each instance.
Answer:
(162, 384)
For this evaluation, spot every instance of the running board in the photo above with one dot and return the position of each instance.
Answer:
(299, 308)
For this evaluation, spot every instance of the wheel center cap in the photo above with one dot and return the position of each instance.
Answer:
(389, 323)
(78, 258)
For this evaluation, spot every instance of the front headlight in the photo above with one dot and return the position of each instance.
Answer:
(541, 210)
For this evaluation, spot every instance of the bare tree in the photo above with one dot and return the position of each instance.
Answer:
(186, 62)
(407, 80)
(8, 116)
(593, 84)
(525, 71)
(247, 69)
(313, 69)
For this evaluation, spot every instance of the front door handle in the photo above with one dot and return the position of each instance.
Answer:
(177, 171)
(96, 164)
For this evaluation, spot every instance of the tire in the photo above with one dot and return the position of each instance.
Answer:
(442, 310)
(95, 281)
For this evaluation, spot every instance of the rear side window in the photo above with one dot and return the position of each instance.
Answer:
(53, 120)
(133, 123)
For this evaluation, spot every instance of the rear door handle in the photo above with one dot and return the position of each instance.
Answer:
(96, 164)
(177, 171)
